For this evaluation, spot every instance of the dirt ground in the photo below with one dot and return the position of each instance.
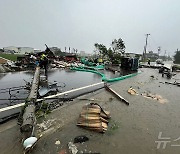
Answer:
(133, 129)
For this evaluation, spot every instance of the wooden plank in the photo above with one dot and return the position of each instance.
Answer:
(117, 95)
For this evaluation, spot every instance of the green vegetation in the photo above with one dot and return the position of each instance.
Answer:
(114, 53)
(12, 57)
(43, 110)
(177, 57)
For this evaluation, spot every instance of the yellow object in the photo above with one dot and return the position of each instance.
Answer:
(43, 56)
(132, 91)
(100, 60)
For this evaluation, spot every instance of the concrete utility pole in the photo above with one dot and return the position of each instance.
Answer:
(159, 50)
(29, 117)
(165, 55)
(145, 47)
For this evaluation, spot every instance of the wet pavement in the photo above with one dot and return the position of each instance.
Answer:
(132, 129)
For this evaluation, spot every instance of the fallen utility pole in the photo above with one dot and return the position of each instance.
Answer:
(117, 95)
(6, 111)
(29, 112)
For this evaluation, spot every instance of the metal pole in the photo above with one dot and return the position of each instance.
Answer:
(145, 47)
(159, 50)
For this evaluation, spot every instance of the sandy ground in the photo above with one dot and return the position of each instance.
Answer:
(133, 129)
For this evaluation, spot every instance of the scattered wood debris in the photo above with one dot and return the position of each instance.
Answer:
(149, 95)
(155, 97)
(132, 91)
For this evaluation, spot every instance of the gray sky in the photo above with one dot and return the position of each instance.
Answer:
(81, 23)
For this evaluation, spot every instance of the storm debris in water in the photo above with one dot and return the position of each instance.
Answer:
(157, 97)
(132, 91)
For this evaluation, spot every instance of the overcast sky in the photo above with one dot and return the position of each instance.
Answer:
(81, 23)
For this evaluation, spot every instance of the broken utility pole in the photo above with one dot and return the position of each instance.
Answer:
(29, 118)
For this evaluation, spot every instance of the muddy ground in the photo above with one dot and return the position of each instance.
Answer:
(133, 129)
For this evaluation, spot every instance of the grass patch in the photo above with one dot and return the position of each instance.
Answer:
(12, 57)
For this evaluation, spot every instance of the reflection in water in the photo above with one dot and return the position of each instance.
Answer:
(72, 80)
(13, 79)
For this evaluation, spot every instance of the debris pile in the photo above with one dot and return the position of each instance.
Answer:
(132, 91)
(93, 117)
(4, 69)
(149, 95)
(155, 97)
(46, 125)
(72, 148)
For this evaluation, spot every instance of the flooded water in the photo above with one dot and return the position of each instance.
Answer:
(66, 79)
(131, 129)
(13, 80)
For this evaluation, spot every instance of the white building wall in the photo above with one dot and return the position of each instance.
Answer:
(82, 53)
(10, 48)
(37, 50)
(25, 50)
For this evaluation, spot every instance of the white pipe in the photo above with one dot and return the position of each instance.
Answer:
(66, 92)
(52, 96)
(11, 107)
